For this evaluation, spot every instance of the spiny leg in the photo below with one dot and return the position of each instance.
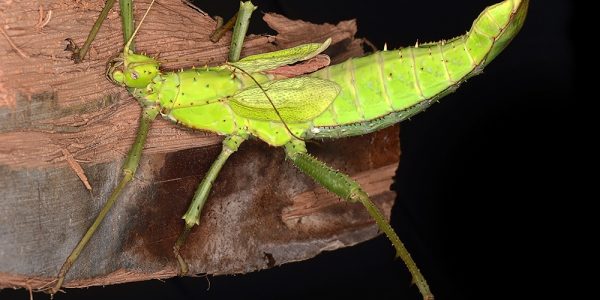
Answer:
(131, 164)
(127, 23)
(348, 189)
(230, 144)
(192, 216)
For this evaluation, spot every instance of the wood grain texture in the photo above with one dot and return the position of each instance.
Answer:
(262, 212)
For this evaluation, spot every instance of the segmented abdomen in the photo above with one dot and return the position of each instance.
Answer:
(386, 87)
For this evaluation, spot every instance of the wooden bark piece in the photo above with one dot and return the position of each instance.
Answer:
(55, 115)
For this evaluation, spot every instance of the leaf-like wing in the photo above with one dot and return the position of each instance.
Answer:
(272, 60)
(297, 99)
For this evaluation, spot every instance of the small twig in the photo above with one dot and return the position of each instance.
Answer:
(43, 20)
(207, 281)
(221, 29)
(19, 51)
(76, 168)
(45, 286)
(30, 292)
(40, 15)
(47, 20)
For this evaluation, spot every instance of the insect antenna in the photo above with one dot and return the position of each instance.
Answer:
(270, 101)
(128, 44)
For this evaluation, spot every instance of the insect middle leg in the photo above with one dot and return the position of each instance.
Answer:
(348, 189)
(192, 216)
(230, 144)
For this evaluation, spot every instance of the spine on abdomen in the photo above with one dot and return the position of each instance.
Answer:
(389, 86)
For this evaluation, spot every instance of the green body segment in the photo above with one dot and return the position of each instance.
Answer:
(226, 99)
(194, 98)
(204, 99)
(389, 86)
(356, 97)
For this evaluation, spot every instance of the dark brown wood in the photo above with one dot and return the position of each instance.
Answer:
(54, 114)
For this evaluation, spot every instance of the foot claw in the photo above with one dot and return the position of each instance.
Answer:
(74, 49)
(183, 266)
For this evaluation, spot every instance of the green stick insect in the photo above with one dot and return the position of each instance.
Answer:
(240, 100)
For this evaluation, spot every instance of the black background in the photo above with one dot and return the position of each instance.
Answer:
(481, 177)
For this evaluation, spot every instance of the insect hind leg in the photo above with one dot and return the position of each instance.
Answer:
(348, 189)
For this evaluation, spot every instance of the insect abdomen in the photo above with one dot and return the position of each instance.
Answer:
(386, 87)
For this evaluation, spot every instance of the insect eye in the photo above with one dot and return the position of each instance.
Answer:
(134, 75)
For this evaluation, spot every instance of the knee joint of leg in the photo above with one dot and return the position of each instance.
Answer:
(128, 173)
(357, 195)
(294, 147)
(233, 142)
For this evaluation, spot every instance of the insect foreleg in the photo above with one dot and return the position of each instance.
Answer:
(127, 171)
(79, 53)
(348, 189)
(192, 216)
(240, 29)
(127, 21)
(230, 144)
